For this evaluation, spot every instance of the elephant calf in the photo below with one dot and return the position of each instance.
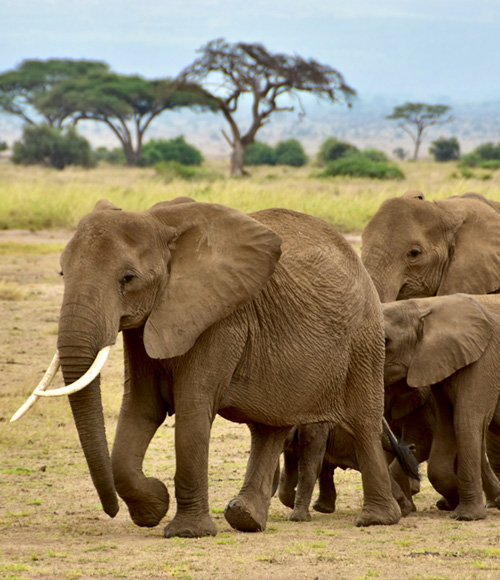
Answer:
(452, 343)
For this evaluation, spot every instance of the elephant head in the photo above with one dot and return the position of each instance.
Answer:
(429, 339)
(414, 248)
(171, 271)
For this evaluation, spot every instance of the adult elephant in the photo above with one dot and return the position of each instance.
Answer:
(452, 343)
(226, 313)
(414, 248)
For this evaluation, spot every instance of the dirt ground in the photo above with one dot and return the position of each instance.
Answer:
(51, 524)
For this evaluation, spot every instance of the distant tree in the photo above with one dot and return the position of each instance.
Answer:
(332, 149)
(416, 118)
(290, 152)
(3, 146)
(23, 89)
(52, 147)
(445, 149)
(126, 104)
(250, 69)
(400, 153)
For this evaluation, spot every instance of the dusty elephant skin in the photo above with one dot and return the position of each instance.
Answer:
(452, 343)
(221, 313)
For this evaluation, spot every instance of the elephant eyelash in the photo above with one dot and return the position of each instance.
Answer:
(414, 253)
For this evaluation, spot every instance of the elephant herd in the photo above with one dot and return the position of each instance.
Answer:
(272, 319)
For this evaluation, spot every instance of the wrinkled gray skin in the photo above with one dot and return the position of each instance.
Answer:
(221, 313)
(413, 248)
(316, 450)
(452, 343)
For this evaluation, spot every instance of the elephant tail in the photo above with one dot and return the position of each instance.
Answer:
(403, 452)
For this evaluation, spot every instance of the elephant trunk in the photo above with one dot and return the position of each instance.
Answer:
(77, 352)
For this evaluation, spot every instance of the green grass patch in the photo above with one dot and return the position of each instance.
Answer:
(35, 249)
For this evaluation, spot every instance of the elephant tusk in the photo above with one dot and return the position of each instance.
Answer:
(44, 383)
(83, 381)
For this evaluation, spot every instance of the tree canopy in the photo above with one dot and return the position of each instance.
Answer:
(22, 89)
(416, 118)
(227, 71)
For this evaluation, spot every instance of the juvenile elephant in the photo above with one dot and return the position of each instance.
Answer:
(227, 313)
(452, 343)
(318, 449)
(413, 248)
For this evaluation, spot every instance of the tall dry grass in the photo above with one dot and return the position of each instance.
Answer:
(38, 198)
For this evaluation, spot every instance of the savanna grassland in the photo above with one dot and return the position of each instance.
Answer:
(51, 523)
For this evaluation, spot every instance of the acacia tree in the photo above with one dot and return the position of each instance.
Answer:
(22, 89)
(241, 69)
(126, 104)
(416, 118)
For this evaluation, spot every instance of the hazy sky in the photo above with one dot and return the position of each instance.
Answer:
(427, 50)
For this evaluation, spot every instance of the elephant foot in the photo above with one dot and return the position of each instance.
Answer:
(324, 506)
(242, 518)
(151, 508)
(190, 527)
(287, 497)
(444, 505)
(379, 517)
(300, 515)
(492, 503)
(468, 513)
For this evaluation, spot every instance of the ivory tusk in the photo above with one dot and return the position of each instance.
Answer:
(82, 382)
(44, 383)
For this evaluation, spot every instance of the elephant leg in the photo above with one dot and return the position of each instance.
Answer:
(147, 498)
(193, 423)
(401, 488)
(289, 475)
(247, 512)
(142, 412)
(327, 497)
(312, 446)
(493, 453)
(491, 484)
(469, 466)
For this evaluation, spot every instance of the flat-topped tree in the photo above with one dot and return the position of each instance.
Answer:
(127, 104)
(227, 71)
(416, 118)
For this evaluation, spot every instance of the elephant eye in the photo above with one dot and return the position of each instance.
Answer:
(126, 280)
(414, 253)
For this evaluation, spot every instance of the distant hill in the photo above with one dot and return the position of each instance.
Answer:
(364, 125)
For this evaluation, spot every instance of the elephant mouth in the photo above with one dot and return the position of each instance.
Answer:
(81, 383)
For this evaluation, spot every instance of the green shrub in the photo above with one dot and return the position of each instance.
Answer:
(176, 149)
(114, 156)
(486, 155)
(170, 170)
(488, 151)
(3, 146)
(333, 149)
(290, 152)
(359, 165)
(52, 147)
(445, 149)
(372, 154)
(259, 153)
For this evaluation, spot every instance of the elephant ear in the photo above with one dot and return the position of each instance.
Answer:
(103, 204)
(413, 194)
(220, 259)
(474, 266)
(454, 332)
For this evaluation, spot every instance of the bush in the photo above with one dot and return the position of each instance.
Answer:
(114, 156)
(259, 153)
(486, 155)
(52, 147)
(290, 152)
(360, 165)
(3, 146)
(176, 149)
(445, 149)
(333, 149)
(373, 154)
(170, 170)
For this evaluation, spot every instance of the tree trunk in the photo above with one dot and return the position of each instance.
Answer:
(238, 159)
